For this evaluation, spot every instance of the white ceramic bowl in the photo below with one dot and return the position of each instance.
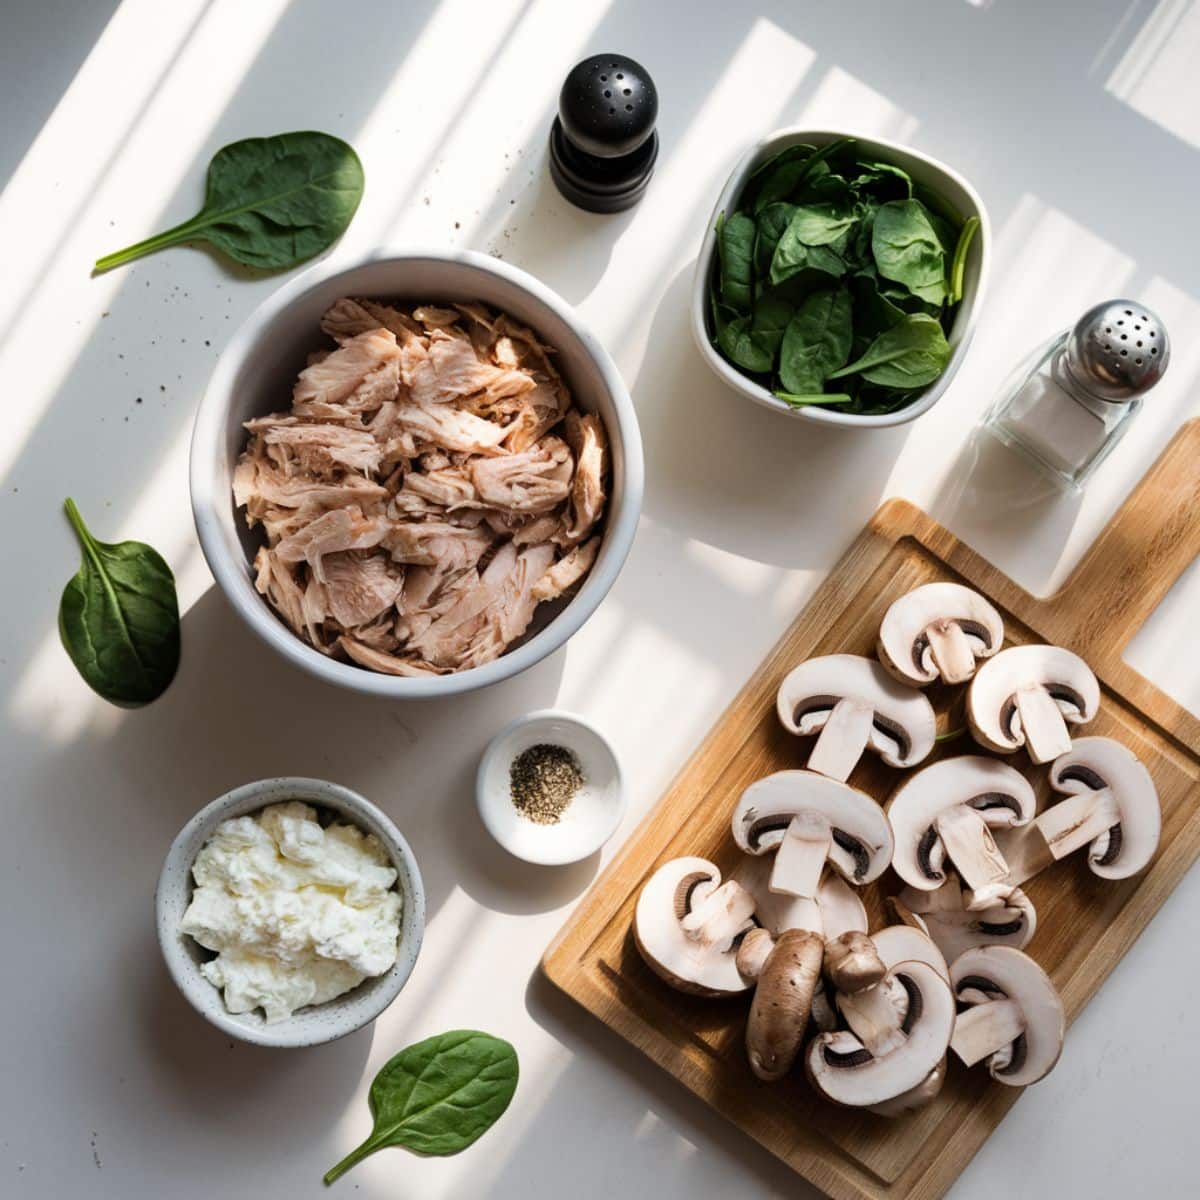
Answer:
(320, 1022)
(255, 376)
(593, 814)
(929, 173)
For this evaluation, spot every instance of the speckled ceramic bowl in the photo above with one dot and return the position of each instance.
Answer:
(320, 1022)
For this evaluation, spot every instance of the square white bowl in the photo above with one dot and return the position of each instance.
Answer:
(950, 187)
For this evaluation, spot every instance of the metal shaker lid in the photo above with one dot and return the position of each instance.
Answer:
(1117, 350)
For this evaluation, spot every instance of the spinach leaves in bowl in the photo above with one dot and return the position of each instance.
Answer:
(836, 279)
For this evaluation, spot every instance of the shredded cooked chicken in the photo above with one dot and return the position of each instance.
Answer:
(431, 484)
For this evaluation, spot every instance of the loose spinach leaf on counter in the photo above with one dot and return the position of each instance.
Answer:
(119, 618)
(269, 202)
(816, 341)
(911, 354)
(438, 1096)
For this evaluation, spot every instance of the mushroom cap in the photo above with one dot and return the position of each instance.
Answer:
(1094, 763)
(836, 909)
(690, 964)
(904, 645)
(1006, 973)
(991, 710)
(906, 943)
(1000, 794)
(844, 1071)
(852, 963)
(903, 728)
(782, 1003)
(861, 847)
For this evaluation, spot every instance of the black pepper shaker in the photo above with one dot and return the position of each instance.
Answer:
(603, 144)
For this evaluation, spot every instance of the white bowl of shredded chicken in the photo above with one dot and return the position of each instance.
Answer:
(416, 476)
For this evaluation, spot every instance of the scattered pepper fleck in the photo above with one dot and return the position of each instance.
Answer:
(543, 781)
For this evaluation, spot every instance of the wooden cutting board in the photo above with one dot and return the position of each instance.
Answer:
(1085, 924)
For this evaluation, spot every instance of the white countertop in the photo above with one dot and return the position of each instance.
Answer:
(1078, 124)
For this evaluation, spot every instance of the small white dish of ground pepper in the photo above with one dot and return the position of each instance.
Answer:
(549, 788)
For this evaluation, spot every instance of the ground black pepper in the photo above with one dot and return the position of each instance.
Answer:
(543, 781)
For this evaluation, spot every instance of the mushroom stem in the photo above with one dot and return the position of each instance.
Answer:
(1072, 823)
(951, 650)
(842, 740)
(800, 858)
(985, 1028)
(1046, 735)
(970, 846)
(876, 1014)
(782, 1003)
(720, 916)
(753, 953)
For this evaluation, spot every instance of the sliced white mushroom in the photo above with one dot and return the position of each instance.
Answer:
(843, 1070)
(807, 819)
(853, 704)
(872, 1001)
(1026, 695)
(947, 811)
(947, 918)
(687, 925)
(1112, 807)
(939, 629)
(1013, 1016)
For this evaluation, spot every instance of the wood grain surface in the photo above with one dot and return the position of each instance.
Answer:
(1085, 924)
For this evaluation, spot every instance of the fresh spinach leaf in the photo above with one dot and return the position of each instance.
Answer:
(772, 222)
(735, 238)
(438, 1096)
(119, 618)
(269, 202)
(958, 265)
(788, 173)
(816, 341)
(793, 255)
(873, 310)
(753, 341)
(819, 224)
(906, 249)
(912, 354)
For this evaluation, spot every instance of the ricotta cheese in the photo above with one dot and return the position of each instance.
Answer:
(297, 913)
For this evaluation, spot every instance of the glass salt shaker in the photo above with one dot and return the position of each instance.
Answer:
(1074, 397)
